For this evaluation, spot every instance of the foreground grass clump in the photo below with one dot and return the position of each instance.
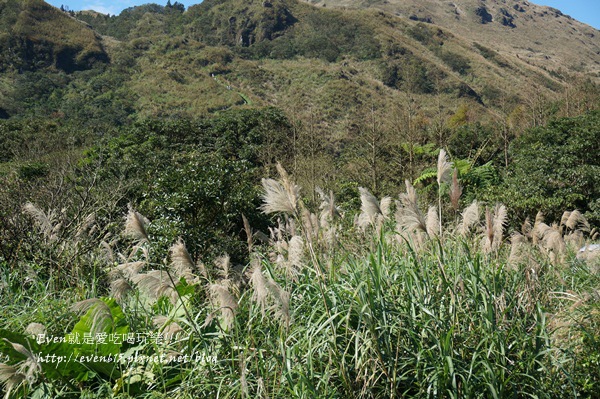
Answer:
(389, 306)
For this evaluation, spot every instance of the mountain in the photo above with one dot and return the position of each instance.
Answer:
(35, 35)
(334, 61)
(541, 35)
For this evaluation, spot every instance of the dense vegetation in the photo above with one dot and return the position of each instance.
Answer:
(131, 202)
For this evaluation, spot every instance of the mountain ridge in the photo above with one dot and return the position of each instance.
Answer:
(541, 38)
(163, 62)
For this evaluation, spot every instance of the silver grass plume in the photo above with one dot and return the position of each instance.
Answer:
(385, 205)
(225, 302)
(223, 264)
(201, 269)
(101, 316)
(539, 232)
(329, 210)
(443, 168)
(518, 245)
(281, 299)
(295, 255)
(455, 191)
(539, 228)
(470, 217)
(369, 209)
(443, 176)
(259, 283)
(249, 234)
(35, 329)
(119, 289)
(432, 222)
(108, 251)
(135, 225)
(575, 239)
(169, 329)
(310, 223)
(126, 270)
(565, 218)
(11, 378)
(498, 223)
(577, 221)
(280, 196)
(526, 228)
(182, 263)
(488, 238)
(494, 227)
(408, 215)
(31, 366)
(86, 225)
(45, 222)
(410, 197)
(156, 283)
(552, 240)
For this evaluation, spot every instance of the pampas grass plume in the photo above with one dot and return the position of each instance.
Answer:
(443, 168)
(135, 225)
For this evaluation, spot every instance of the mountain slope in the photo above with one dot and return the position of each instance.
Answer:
(335, 62)
(541, 35)
(36, 35)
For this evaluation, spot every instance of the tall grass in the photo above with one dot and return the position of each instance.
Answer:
(375, 312)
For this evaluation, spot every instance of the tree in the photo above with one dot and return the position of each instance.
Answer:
(555, 168)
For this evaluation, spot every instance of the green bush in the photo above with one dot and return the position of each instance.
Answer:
(555, 168)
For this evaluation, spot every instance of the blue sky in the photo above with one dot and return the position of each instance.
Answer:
(587, 11)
